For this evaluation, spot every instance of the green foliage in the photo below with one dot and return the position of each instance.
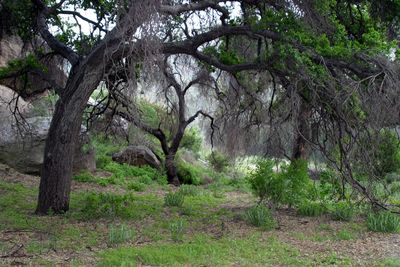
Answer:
(177, 230)
(265, 184)
(107, 205)
(343, 211)
(330, 186)
(136, 186)
(388, 155)
(189, 190)
(383, 221)
(218, 161)
(84, 177)
(21, 67)
(192, 140)
(118, 234)
(260, 216)
(311, 209)
(174, 199)
(19, 16)
(291, 186)
(188, 174)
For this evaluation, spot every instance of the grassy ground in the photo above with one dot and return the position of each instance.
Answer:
(115, 225)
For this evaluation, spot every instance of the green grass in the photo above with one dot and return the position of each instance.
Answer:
(202, 250)
(383, 222)
(260, 216)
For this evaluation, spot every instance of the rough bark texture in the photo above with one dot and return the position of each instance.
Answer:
(63, 135)
(303, 133)
(172, 171)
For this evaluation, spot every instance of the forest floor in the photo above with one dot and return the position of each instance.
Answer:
(208, 230)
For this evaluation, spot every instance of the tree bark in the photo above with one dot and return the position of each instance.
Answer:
(303, 133)
(55, 182)
(172, 171)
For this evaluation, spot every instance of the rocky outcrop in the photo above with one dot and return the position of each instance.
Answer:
(137, 156)
(22, 138)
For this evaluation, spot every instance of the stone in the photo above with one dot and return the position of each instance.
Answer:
(137, 156)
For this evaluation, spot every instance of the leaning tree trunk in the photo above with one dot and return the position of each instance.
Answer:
(55, 182)
(172, 171)
(303, 133)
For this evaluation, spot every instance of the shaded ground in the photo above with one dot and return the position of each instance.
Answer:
(214, 233)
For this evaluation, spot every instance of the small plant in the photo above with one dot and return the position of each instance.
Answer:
(218, 161)
(84, 177)
(383, 222)
(174, 199)
(119, 234)
(177, 230)
(344, 235)
(188, 174)
(343, 211)
(264, 183)
(311, 209)
(135, 186)
(189, 190)
(260, 216)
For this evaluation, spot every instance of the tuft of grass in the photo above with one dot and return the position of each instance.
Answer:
(136, 186)
(383, 222)
(119, 234)
(84, 177)
(344, 235)
(177, 230)
(260, 216)
(311, 209)
(343, 211)
(174, 199)
(189, 190)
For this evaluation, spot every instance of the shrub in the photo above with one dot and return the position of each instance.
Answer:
(330, 186)
(177, 230)
(387, 157)
(188, 174)
(383, 222)
(343, 211)
(189, 190)
(260, 216)
(264, 183)
(119, 234)
(192, 140)
(174, 199)
(297, 183)
(311, 209)
(218, 161)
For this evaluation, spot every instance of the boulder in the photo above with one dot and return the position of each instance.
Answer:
(22, 138)
(137, 156)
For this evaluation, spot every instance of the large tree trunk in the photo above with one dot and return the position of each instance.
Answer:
(302, 133)
(172, 171)
(55, 182)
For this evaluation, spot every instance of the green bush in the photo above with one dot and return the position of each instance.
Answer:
(188, 174)
(383, 221)
(119, 234)
(387, 157)
(311, 209)
(192, 140)
(330, 186)
(264, 183)
(260, 216)
(297, 183)
(343, 211)
(218, 161)
(174, 199)
(291, 186)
